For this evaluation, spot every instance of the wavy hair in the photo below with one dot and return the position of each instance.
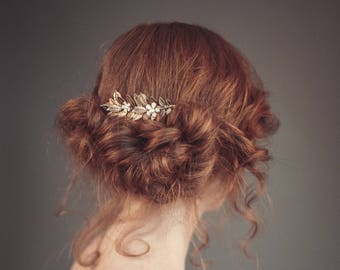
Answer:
(213, 134)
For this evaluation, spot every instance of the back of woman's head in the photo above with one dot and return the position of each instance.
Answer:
(212, 134)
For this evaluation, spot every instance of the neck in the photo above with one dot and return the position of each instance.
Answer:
(167, 233)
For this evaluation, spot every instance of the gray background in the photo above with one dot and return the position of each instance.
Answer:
(51, 51)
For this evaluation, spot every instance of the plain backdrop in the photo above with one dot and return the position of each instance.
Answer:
(51, 51)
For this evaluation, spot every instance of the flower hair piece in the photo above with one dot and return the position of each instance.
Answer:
(137, 107)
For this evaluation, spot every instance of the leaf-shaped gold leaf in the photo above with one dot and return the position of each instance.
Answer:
(110, 107)
(116, 108)
(116, 95)
(161, 101)
(139, 109)
(116, 102)
(143, 99)
(137, 116)
(137, 100)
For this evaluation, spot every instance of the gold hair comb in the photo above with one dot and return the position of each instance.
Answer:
(137, 107)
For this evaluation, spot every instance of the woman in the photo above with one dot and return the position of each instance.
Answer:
(174, 121)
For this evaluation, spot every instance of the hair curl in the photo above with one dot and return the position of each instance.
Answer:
(221, 114)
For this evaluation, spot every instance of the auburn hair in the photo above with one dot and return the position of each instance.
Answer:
(213, 134)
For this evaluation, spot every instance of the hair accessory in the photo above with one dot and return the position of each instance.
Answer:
(137, 107)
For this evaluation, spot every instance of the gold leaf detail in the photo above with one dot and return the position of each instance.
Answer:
(137, 107)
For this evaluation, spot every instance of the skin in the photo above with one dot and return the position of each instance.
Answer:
(168, 235)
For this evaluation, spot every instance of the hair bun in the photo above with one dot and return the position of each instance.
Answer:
(157, 159)
(160, 160)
